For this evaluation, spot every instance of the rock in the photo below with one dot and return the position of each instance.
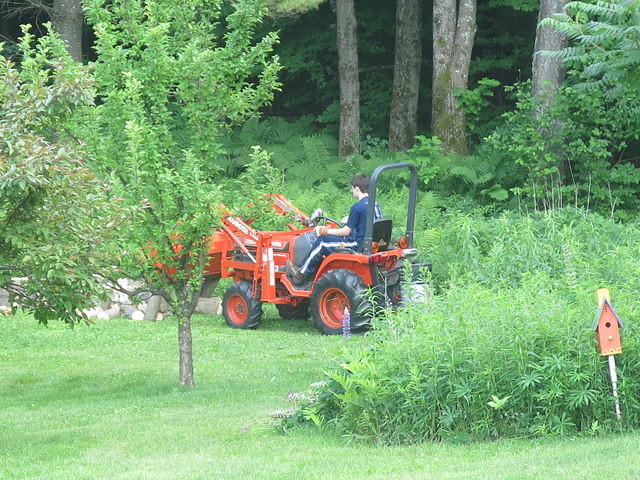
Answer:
(152, 308)
(144, 296)
(90, 312)
(4, 298)
(105, 304)
(132, 312)
(113, 311)
(208, 306)
(164, 306)
(128, 284)
(120, 298)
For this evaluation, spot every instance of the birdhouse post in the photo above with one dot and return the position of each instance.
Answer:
(607, 327)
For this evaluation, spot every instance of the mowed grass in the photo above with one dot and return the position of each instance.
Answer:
(100, 402)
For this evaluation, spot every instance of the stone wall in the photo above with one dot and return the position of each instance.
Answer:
(149, 307)
(5, 306)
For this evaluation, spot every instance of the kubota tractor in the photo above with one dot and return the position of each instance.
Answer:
(256, 262)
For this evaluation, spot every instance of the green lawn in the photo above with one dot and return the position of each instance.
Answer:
(100, 402)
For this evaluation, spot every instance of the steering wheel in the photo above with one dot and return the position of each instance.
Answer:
(315, 221)
(318, 216)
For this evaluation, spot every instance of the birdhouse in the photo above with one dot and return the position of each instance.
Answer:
(607, 327)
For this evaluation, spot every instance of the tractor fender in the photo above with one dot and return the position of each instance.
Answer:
(354, 262)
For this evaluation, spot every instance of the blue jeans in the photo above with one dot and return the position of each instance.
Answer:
(322, 247)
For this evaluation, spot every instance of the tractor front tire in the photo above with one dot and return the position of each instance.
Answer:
(240, 308)
(336, 290)
(294, 312)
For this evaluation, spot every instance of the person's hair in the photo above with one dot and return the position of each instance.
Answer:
(361, 181)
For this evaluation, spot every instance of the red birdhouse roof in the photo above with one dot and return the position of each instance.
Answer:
(605, 304)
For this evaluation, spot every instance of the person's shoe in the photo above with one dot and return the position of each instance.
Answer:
(296, 275)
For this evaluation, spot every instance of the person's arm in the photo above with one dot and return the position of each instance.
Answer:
(340, 232)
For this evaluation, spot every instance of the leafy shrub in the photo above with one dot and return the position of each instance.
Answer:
(506, 347)
(53, 209)
(486, 363)
(479, 112)
(484, 180)
(576, 152)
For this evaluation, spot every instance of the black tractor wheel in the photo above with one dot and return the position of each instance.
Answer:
(293, 312)
(240, 308)
(332, 293)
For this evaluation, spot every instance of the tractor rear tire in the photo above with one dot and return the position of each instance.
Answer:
(336, 290)
(240, 308)
(294, 312)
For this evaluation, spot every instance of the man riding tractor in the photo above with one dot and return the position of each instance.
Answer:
(360, 270)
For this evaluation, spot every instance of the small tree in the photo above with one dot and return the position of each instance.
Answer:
(171, 77)
(52, 208)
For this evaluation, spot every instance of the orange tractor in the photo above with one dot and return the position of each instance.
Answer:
(256, 262)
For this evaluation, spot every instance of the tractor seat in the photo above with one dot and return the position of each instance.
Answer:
(382, 232)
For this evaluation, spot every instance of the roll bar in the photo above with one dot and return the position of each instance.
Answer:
(411, 209)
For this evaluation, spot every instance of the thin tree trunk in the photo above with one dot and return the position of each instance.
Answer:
(186, 352)
(349, 137)
(403, 122)
(67, 18)
(185, 341)
(465, 35)
(548, 72)
(454, 29)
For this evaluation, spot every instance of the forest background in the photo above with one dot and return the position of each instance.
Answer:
(470, 100)
(528, 164)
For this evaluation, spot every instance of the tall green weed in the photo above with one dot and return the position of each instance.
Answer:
(505, 347)
(481, 362)
(504, 248)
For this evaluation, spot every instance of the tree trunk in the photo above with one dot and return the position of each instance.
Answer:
(403, 122)
(548, 72)
(547, 77)
(186, 352)
(185, 341)
(349, 138)
(454, 29)
(67, 18)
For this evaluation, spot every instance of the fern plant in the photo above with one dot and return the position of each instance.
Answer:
(481, 176)
(605, 45)
(304, 156)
